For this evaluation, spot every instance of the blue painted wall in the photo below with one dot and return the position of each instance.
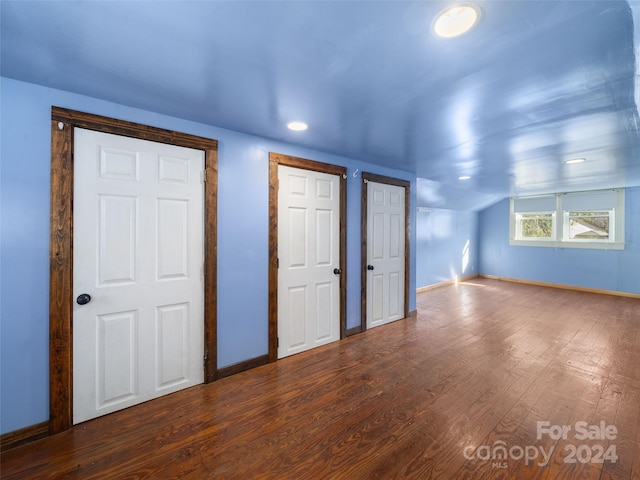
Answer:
(25, 110)
(447, 245)
(616, 270)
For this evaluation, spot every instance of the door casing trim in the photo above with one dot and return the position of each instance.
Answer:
(367, 177)
(63, 122)
(276, 159)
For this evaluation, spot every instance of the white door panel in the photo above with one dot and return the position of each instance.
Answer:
(116, 362)
(172, 330)
(117, 239)
(324, 318)
(385, 253)
(308, 252)
(139, 252)
(173, 239)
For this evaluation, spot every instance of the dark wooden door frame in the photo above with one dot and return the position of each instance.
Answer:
(276, 159)
(366, 178)
(63, 122)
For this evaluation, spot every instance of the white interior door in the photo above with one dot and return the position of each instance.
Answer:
(385, 253)
(138, 252)
(308, 253)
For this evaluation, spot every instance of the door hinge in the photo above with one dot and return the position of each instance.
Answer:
(203, 176)
(278, 262)
(278, 342)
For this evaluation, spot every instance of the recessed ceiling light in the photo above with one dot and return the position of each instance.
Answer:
(455, 21)
(574, 160)
(297, 126)
(464, 177)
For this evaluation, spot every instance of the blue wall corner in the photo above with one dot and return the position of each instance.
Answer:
(447, 245)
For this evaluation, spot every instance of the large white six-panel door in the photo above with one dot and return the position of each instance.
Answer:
(308, 254)
(138, 253)
(385, 253)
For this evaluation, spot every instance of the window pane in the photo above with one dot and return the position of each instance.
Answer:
(537, 226)
(589, 225)
(593, 219)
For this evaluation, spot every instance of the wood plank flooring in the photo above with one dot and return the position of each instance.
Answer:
(424, 398)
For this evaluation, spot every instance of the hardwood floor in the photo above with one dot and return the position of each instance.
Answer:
(482, 363)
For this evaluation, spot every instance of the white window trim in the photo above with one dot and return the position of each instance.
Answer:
(560, 223)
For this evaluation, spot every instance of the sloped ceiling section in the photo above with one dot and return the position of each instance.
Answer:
(450, 197)
(533, 84)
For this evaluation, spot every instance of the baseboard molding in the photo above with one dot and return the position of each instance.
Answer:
(444, 284)
(242, 366)
(24, 435)
(412, 313)
(562, 286)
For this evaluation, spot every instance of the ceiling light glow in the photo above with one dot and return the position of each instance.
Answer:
(574, 160)
(297, 126)
(455, 21)
(464, 177)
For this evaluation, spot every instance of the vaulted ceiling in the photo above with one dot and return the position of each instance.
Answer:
(534, 84)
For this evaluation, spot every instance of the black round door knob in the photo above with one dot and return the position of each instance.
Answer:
(369, 267)
(337, 271)
(83, 299)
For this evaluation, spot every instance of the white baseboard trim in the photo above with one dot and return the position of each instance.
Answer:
(444, 284)
(562, 286)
